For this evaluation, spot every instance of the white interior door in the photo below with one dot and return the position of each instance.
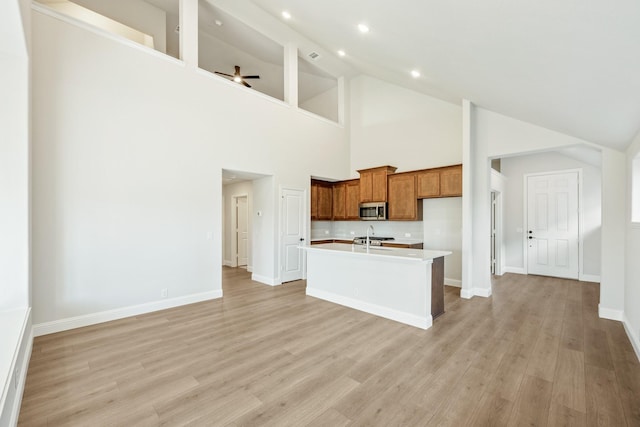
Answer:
(242, 231)
(293, 229)
(552, 225)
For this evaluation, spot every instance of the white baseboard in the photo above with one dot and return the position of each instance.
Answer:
(227, 263)
(120, 313)
(266, 280)
(453, 282)
(482, 292)
(250, 268)
(589, 278)
(515, 270)
(387, 313)
(635, 340)
(466, 293)
(12, 391)
(610, 313)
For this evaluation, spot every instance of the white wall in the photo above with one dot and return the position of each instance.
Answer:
(442, 220)
(324, 104)
(228, 192)
(504, 136)
(399, 127)
(514, 169)
(128, 152)
(14, 158)
(632, 266)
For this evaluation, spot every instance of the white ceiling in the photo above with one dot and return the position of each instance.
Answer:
(571, 66)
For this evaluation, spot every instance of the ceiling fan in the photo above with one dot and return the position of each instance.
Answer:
(238, 77)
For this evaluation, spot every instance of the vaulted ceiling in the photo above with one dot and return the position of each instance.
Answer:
(571, 66)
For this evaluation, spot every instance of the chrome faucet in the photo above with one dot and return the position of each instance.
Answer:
(368, 238)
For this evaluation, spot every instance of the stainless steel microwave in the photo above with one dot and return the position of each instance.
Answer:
(373, 211)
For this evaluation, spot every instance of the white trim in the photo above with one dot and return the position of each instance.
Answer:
(13, 389)
(234, 228)
(227, 263)
(482, 292)
(271, 281)
(24, 366)
(120, 313)
(610, 313)
(387, 313)
(635, 341)
(590, 278)
(453, 282)
(514, 270)
(250, 268)
(466, 293)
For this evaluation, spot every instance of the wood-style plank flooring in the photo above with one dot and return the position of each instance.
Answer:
(535, 353)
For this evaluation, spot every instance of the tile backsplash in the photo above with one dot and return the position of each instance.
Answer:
(351, 229)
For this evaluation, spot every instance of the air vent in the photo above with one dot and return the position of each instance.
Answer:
(314, 56)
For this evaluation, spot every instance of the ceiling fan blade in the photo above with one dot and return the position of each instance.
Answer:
(223, 74)
(246, 84)
(250, 77)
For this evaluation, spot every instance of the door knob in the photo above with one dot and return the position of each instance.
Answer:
(530, 237)
(301, 239)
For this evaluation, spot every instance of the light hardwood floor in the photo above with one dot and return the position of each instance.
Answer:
(535, 353)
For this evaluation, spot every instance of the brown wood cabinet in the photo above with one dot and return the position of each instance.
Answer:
(451, 181)
(352, 199)
(403, 198)
(373, 183)
(321, 200)
(440, 182)
(346, 200)
(428, 184)
(403, 245)
(339, 201)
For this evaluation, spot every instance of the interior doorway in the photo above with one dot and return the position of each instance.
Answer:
(241, 227)
(293, 234)
(552, 231)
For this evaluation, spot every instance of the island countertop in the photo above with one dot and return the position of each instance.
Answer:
(410, 255)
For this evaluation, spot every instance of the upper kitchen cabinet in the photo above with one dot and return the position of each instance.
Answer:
(346, 200)
(403, 198)
(339, 205)
(451, 181)
(440, 182)
(373, 183)
(321, 200)
(352, 199)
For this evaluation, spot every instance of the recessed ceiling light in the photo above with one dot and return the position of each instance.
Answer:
(363, 28)
(341, 52)
(415, 74)
(286, 14)
(218, 22)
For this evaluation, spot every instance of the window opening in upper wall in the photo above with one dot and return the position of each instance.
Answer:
(317, 89)
(237, 52)
(152, 23)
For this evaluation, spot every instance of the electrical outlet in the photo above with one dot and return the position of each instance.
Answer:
(164, 293)
(407, 234)
(353, 233)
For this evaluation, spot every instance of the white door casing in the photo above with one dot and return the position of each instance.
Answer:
(553, 233)
(293, 233)
(242, 231)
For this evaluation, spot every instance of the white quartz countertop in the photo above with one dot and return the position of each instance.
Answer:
(402, 241)
(378, 252)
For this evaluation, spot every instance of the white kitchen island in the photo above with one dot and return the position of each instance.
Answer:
(393, 283)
